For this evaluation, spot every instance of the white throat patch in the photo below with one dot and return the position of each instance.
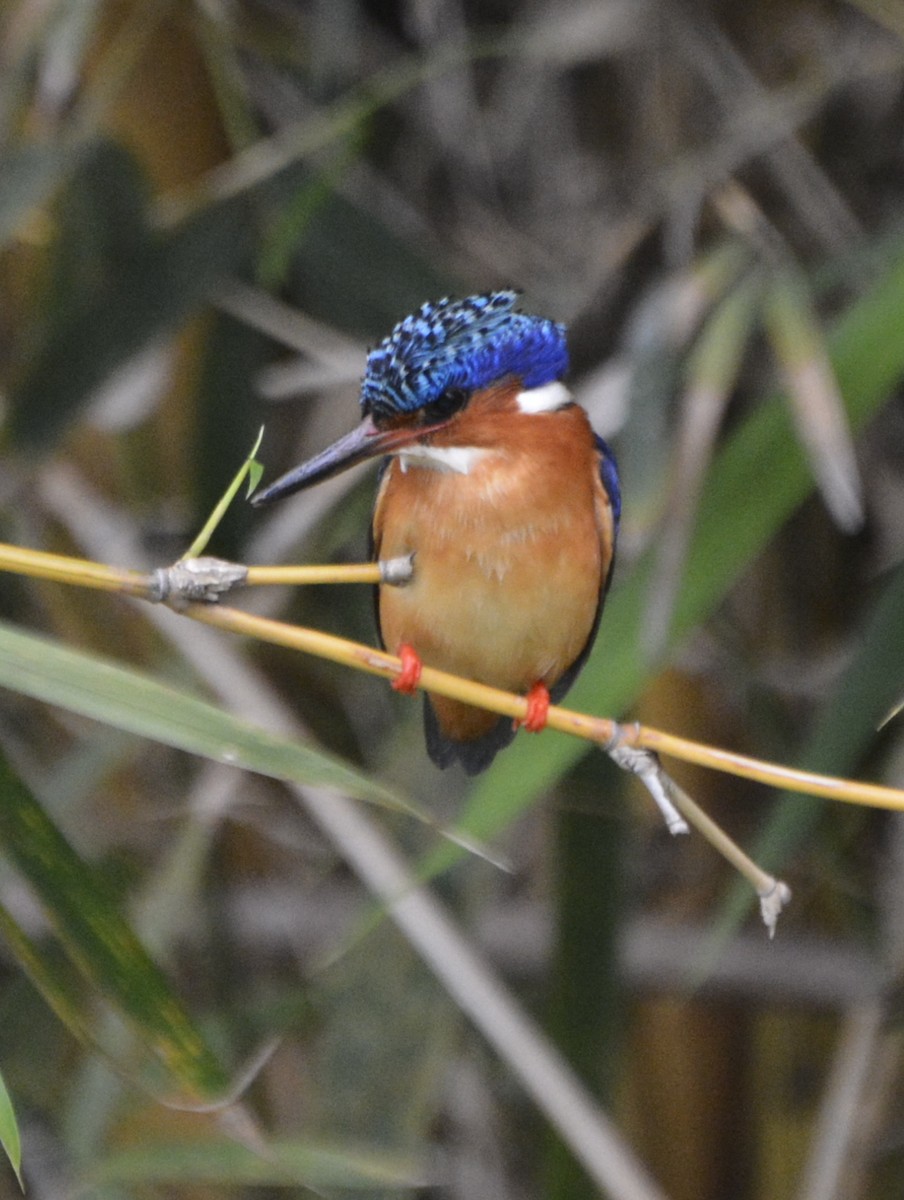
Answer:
(547, 398)
(459, 459)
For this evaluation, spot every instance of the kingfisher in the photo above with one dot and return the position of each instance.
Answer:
(508, 503)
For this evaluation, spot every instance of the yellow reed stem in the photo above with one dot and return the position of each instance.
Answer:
(340, 573)
(357, 655)
(714, 834)
(38, 564)
(84, 573)
(773, 894)
(596, 729)
(851, 791)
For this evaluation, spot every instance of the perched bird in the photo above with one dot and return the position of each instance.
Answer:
(496, 483)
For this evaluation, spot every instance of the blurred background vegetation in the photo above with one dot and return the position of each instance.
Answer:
(208, 211)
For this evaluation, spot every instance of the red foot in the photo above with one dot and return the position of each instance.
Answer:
(537, 709)
(408, 678)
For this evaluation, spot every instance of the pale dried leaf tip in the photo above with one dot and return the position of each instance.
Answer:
(817, 403)
(480, 850)
(649, 770)
(243, 1127)
(772, 901)
(193, 580)
(891, 714)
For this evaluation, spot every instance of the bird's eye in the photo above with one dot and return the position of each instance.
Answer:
(444, 406)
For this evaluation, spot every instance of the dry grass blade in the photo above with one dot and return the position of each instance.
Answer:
(891, 714)
(795, 169)
(833, 1156)
(39, 564)
(712, 372)
(329, 359)
(818, 408)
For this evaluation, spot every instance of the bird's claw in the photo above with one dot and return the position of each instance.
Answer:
(537, 709)
(409, 676)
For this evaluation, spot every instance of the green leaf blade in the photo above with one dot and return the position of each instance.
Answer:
(100, 942)
(132, 701)
(286, 1163)
(9, 1133)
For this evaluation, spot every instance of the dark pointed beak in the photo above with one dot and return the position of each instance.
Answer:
(367, 441)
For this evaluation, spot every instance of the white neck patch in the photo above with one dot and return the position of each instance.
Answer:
(547, 398)
(459, 459)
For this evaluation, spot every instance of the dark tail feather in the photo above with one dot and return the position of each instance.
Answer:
(475, 756)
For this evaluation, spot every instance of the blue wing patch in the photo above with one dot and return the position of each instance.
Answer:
(609, 477)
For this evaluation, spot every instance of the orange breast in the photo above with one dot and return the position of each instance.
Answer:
(509, 559)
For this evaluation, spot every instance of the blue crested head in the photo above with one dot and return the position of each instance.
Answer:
(460, 345)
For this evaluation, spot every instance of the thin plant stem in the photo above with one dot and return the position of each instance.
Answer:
(81, 572)
(601, 730)
(199, 545)
(304, 575)
(39, 564)
(871, 795)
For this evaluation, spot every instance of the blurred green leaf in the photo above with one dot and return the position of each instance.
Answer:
(54, 977)
(714, 364)
(148, 286)
(280, 1164)
(132, 701)
(30, 173)
(9, 1132)
(101, 229)
(287, 232)
(328, 281)
(225, 422)
(102, 945)
(585, 983)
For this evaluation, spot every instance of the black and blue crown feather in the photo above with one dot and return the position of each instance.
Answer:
(463, 345)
